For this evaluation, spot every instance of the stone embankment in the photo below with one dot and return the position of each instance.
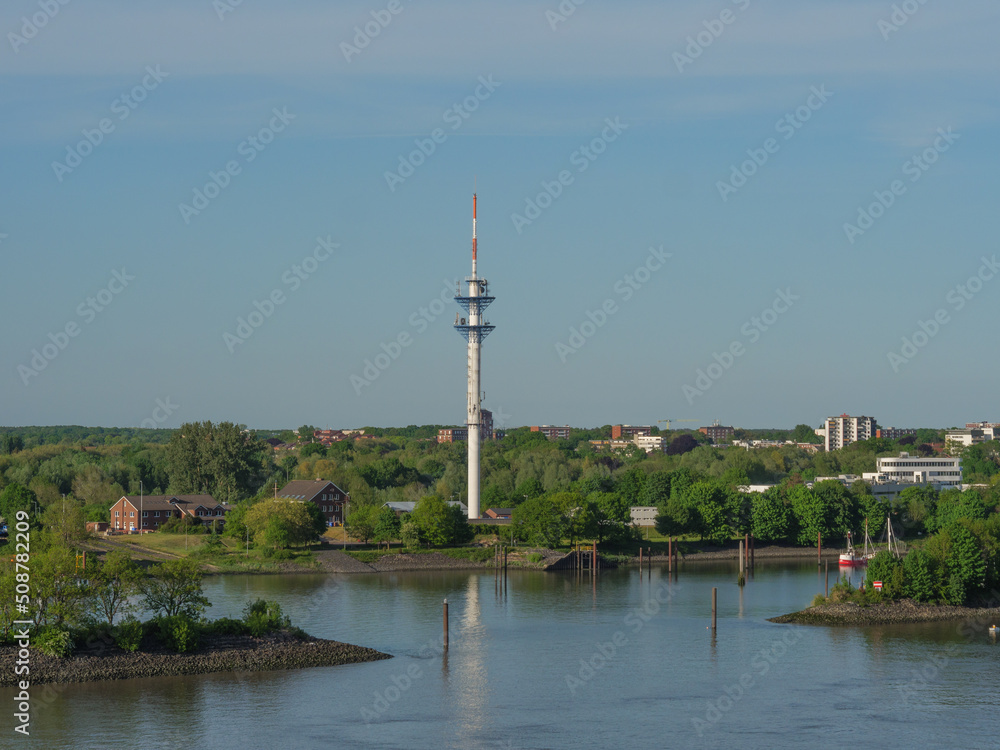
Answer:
(277, 651)
(905, 611)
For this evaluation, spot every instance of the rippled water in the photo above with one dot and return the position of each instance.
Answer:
(555, 661)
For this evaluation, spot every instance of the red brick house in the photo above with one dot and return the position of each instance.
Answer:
(155, 510)
(328, 496)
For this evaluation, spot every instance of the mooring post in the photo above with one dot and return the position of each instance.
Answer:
(595, 558)
(670, 553)
(819, 548)
(715, 598)
(446, 624)
(640, 560)
(827, 579)
(753, 547)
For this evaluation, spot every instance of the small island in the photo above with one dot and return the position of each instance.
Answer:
(952, 575)
(88, 631)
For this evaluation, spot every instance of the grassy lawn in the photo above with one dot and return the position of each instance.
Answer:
(232, 556)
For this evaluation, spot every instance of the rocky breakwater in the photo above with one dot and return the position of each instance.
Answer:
(885, 613)
(276, 651)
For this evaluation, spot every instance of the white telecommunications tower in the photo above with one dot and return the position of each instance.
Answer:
(475, 329)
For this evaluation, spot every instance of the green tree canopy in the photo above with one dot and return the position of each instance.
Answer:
(174, 588)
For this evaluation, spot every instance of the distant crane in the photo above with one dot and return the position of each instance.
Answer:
(669, 421)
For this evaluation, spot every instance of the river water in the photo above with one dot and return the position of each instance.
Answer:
(557, 661)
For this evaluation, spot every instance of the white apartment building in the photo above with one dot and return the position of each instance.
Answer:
(944, 471)
(643, 515)
(650, 443)
(844, 430)
(957, 440)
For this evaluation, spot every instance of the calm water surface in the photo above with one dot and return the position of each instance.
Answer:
(558, 662)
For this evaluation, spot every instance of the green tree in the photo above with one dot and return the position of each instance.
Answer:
(387, 525)
(656, 490)
(539, 522)
(280, 523)
(312, 449)
(15, 497)
(363, 519)
(885, 567)
(220, 459)
(921, 576)
(770, 516)
(60, 595)
(965, 564)
(440, 523)
(174, 588)
(114, 582)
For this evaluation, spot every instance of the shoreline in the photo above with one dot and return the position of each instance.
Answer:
(339, 562)
(886, 613)
(273, 652)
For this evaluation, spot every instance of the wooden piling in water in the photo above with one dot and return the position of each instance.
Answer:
(446, 624)
(827, 594)
(715, 598)
(670, 554)
(640, 560)
(819, 548)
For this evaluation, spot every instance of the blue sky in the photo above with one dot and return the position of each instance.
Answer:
(836, 100)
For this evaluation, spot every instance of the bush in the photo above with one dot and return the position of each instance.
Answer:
(224, 626)
(536, 557)
(53, 642)
(128, 634)
(178, 633)
(263, 616)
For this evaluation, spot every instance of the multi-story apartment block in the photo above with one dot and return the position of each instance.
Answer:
(621, 431)
(553, 433)
(894, 433)
(461, 434)
(844, 430)
(718, 433)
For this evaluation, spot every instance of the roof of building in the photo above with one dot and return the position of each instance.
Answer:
(306, 489)
(184, 503)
